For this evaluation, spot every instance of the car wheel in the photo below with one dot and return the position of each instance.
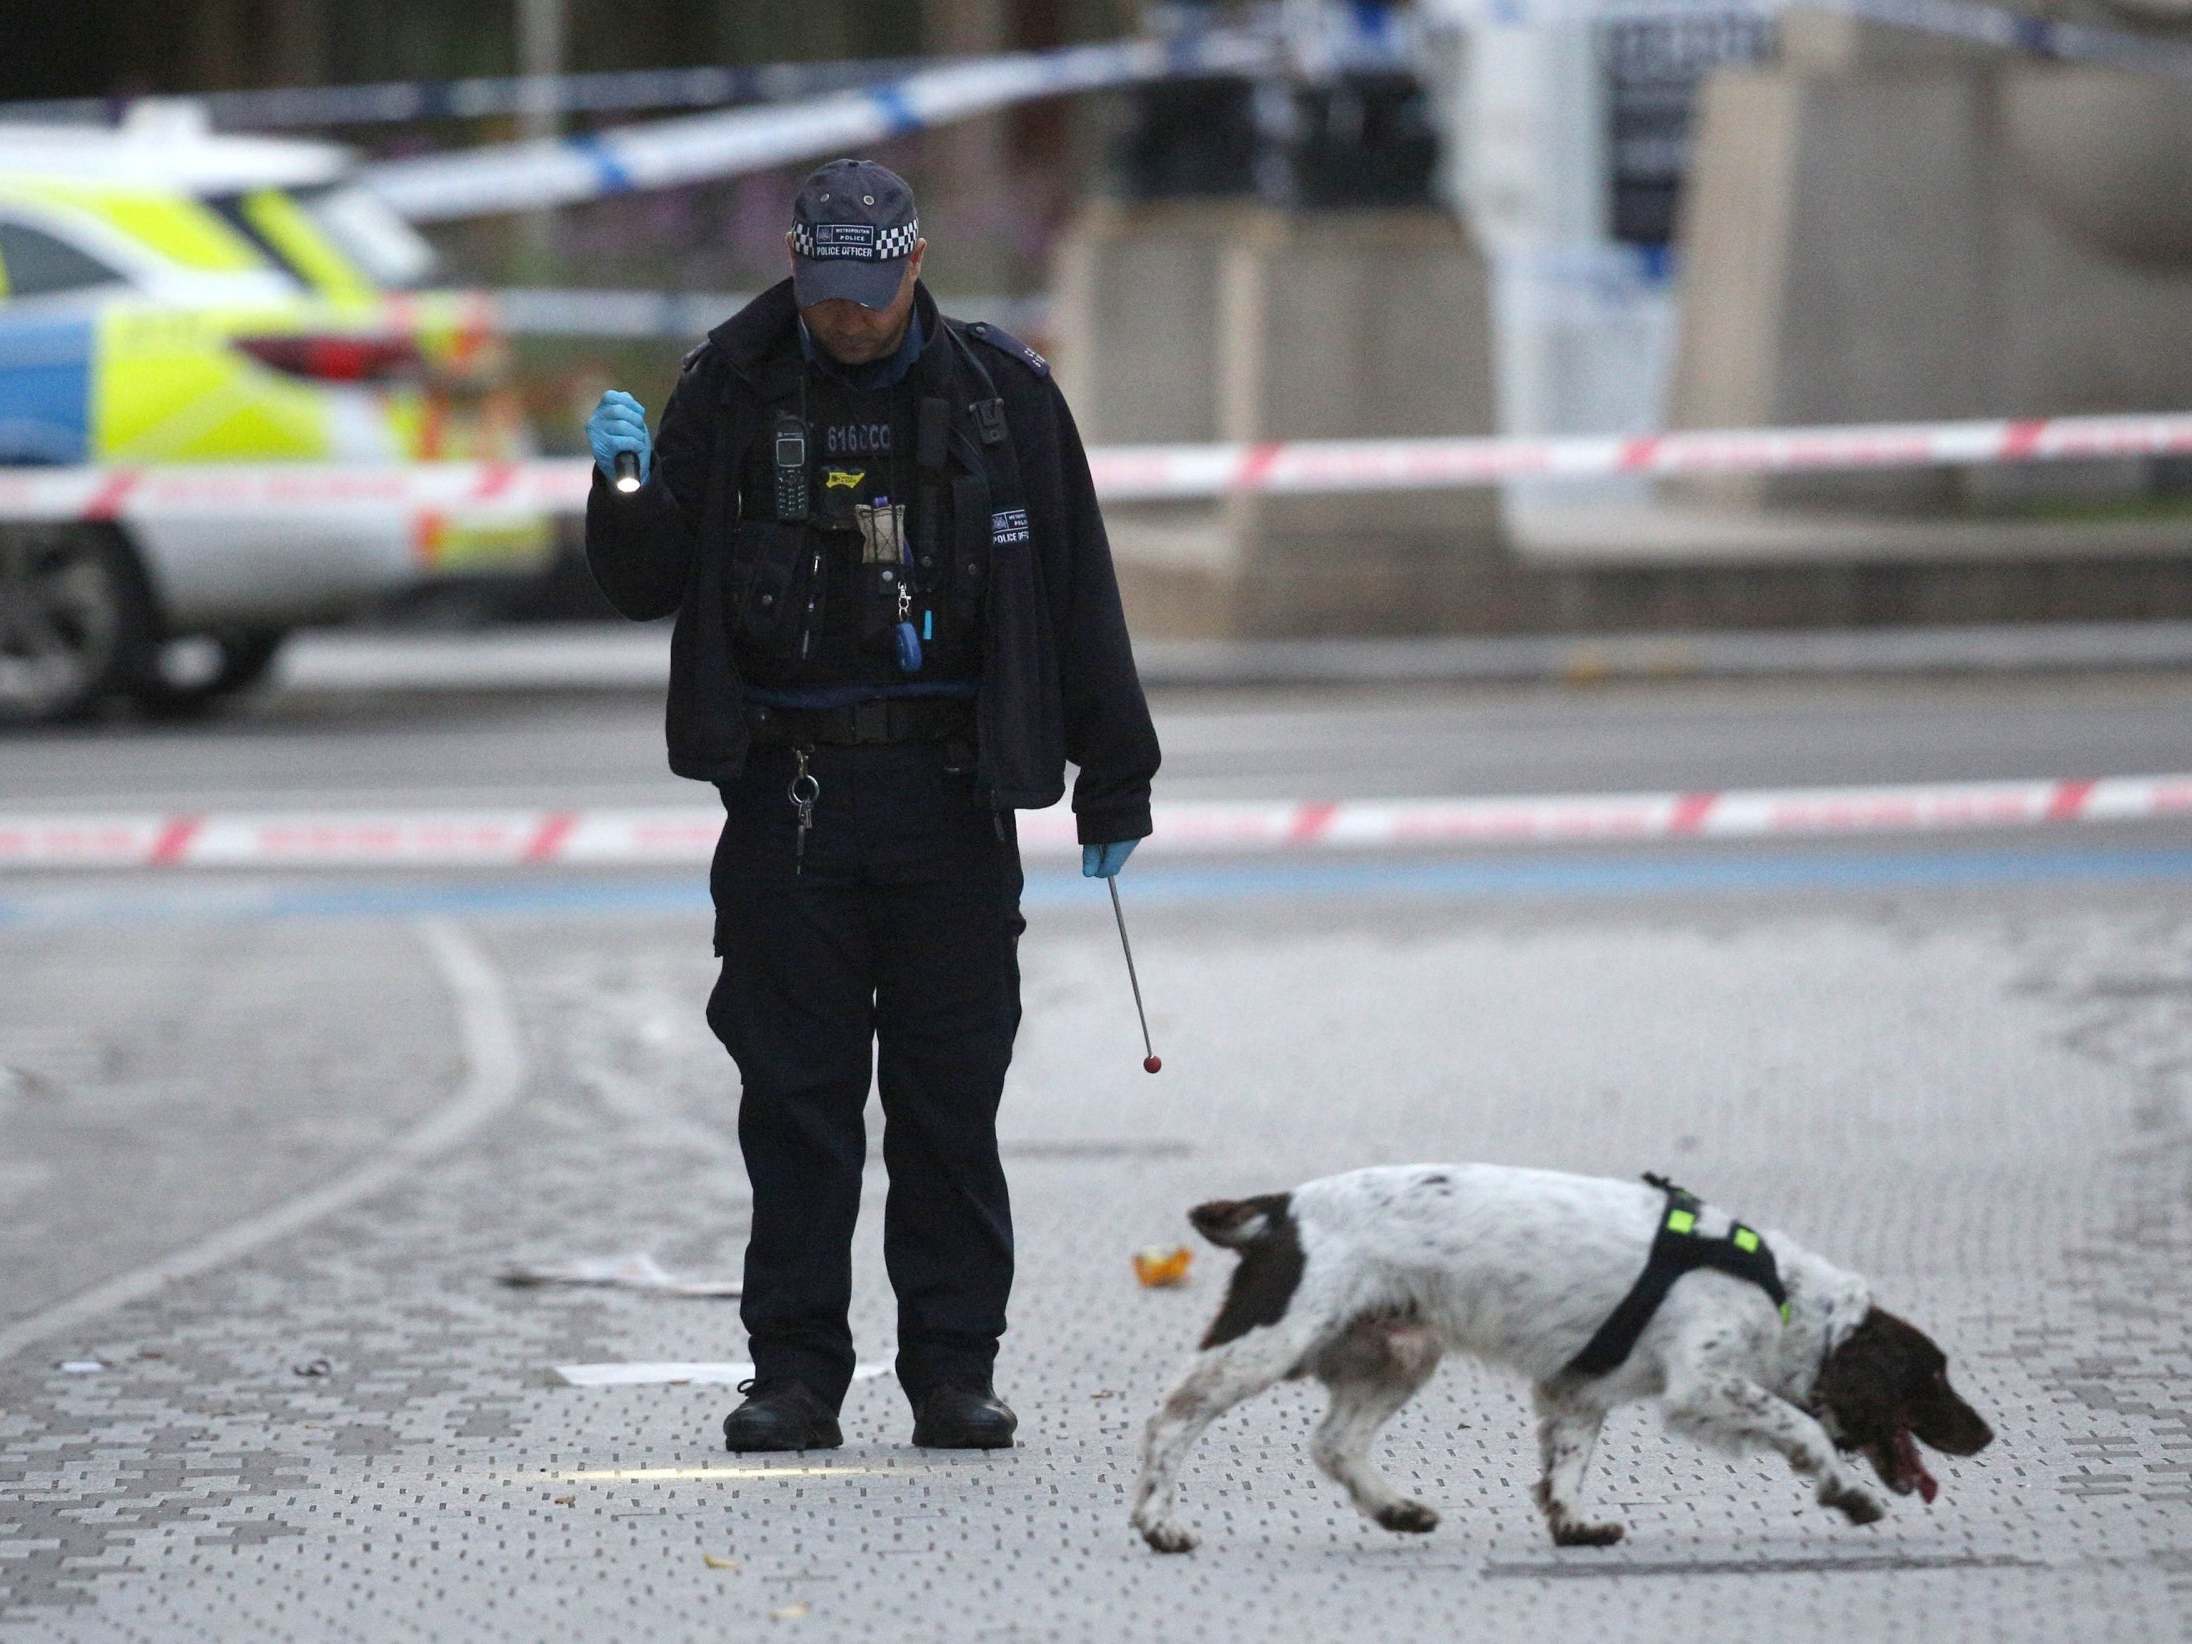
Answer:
(75, 619)
(192, 674)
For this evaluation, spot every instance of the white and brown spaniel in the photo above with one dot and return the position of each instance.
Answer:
(1363, 1280)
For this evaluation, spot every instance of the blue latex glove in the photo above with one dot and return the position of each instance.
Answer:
(619, 423)
(1103, 861)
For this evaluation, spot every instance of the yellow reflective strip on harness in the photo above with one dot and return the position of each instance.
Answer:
(1681, 1221)
(1745, 1240)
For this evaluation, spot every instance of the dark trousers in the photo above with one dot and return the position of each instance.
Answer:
(900, 930)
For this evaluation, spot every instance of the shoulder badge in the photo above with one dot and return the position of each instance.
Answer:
(1006, 343)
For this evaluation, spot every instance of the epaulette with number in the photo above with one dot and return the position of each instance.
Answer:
(997, 337)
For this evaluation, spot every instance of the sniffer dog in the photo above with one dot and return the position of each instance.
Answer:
(1364, 1280)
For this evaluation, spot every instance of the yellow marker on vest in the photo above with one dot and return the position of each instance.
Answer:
(845, 479)
(1681, 1221)
(1745, 1239)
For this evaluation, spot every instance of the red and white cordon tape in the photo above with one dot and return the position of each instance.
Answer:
(1130, 473)
(679, 835)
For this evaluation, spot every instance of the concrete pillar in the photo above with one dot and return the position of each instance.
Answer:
(1941, 239)
(2107, 156)
(1135, 318)
(1134, 326)
(1197, 322)
(1821, 43)
(1835, 267)
(1356, 325)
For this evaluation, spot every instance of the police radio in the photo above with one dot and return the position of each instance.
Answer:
(791, 468)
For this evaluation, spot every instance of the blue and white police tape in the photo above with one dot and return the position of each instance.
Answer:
(1342, 38)
(1337, 35)
(1971, 21)
(563, 171)
(395, 102)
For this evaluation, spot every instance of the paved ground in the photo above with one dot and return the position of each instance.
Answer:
(290, 1122)
(595, 748)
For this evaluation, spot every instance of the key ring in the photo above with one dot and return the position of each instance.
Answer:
(803, 779)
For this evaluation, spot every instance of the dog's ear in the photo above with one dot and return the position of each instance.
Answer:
(1857, 1384)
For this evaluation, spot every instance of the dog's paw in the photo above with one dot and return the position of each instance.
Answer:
(1169, 1538)
(1408, 1518)
(1853, 1504)
(1571, 1532)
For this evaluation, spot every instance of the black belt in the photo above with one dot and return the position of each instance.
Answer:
(878, 720)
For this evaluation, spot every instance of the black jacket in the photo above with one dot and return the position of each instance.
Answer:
(1058, 679)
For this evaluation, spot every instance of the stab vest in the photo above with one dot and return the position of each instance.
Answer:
(967, 499)
(1677, 1248)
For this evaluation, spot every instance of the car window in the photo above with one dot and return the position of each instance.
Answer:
(369, 233)
(271, 221)
(34, 264)
(335, 238)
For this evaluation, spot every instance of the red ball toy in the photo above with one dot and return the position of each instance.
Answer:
(1150, 1064)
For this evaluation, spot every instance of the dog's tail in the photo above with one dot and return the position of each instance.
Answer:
(1239, 1223)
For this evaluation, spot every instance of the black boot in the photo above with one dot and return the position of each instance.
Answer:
(963, 1416)
(782, 1415)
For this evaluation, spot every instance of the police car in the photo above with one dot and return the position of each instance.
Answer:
(170, 296)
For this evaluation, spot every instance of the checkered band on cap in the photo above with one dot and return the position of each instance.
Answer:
(854, 240)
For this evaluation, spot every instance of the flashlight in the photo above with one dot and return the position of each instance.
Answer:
(627, 471)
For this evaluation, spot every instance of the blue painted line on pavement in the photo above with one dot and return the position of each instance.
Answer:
(1630, 875)
(206, 899)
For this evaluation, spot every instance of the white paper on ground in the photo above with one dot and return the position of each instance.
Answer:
(634, 1272)
(641, 1375)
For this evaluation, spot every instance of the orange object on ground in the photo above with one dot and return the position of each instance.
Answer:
(1158, 1267)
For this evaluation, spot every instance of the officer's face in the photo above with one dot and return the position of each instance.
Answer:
(855, 335)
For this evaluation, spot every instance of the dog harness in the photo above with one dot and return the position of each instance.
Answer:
(1678, 1248)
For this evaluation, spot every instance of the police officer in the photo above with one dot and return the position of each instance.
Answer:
(897, 620)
